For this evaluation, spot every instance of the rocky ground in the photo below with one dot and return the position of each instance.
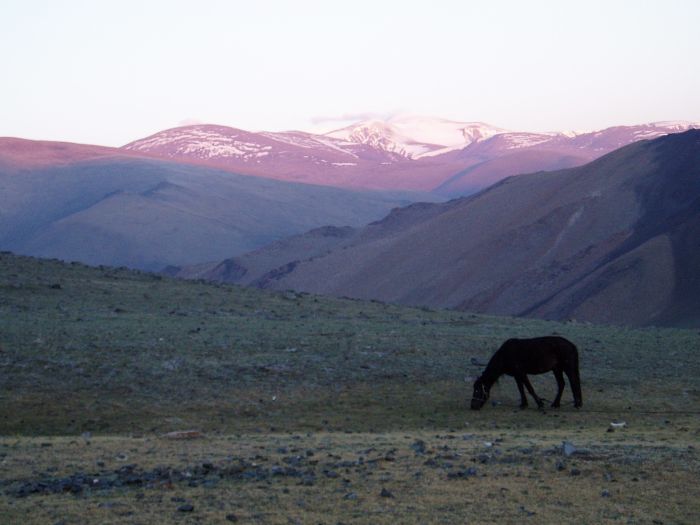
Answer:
(501, 475)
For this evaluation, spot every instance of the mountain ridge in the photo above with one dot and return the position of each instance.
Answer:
(410, 153)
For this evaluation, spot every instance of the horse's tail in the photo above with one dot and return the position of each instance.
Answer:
(575, 379)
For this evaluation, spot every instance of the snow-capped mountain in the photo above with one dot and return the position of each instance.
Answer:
(211, 142)
(401, 153)
(414, 137)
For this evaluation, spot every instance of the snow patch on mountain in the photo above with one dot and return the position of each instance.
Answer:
(414, 137)
(203, 142)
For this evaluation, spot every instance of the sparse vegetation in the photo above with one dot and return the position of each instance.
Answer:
(358, 399)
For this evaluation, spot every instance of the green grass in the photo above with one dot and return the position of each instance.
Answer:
(128, 356)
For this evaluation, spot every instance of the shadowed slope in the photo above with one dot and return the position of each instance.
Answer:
(611, 241)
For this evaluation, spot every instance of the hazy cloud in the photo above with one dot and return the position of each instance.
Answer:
(351, 117)
(189, 122)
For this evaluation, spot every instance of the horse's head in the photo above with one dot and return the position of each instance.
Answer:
(481, 394)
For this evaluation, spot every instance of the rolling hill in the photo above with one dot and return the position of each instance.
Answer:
(109, 206)
(614, 241)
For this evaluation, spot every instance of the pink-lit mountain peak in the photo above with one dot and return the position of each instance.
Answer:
(414, 136)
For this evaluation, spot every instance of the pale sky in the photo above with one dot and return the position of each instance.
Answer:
(108, 72)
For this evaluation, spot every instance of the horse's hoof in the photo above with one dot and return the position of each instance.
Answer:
(523, 406)
(555, 405)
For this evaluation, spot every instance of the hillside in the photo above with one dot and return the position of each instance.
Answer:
(609, 242)
(342, 406)
(106, 206)
(114, 350)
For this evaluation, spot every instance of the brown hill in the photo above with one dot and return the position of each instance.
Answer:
(614, 241)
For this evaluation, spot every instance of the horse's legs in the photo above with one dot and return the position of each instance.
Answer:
(527, 384)
(560, 387)
(523, 399)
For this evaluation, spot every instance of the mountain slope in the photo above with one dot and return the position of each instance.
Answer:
(612, 241)
(117, 209)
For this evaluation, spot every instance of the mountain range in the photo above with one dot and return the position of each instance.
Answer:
(589, 234)
(614, 241)
(442, 156)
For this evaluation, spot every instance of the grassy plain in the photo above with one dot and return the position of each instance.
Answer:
(319, 410)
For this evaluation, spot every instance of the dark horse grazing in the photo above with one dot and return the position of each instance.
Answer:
(519, 357)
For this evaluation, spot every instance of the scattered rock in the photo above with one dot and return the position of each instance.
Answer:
(386, 493)
(605, 493)
(418, 447)
(575, 472)
(460, 474)
(187, 507)
(568, 448)
(232, 518)
(525, 511)
(483, 458)
(308, 479)
(183, 434)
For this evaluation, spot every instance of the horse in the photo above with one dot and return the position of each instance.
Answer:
(519, 357)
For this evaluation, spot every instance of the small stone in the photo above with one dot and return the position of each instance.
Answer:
(350, 496)
(232, 518)
(605, 493)
(529, 513)
(418, 447)
(308, 480)
(568, 448)
(386, 493)
(575, 472)
(471, 471)
(187, 507)
(183, 434)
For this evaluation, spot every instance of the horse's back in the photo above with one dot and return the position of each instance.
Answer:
(539, 354)
(553, 342)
